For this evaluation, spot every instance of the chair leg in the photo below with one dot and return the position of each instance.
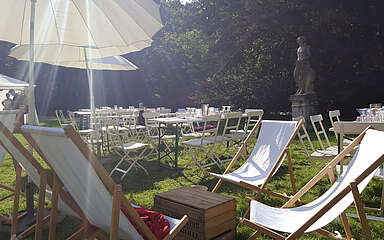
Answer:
(16, 198)
(40, 209)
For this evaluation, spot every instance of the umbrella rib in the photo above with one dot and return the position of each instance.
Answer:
(109, 20)
(85, 22)
(54, 17)
(22, 23)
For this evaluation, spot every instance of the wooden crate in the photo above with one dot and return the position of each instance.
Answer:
(211, 215)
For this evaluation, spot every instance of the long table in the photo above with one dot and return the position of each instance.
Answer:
(343, 128)
(176, 121)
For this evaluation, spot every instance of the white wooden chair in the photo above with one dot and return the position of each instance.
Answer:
(317, 124)
(334, 116)
(312, 153)
(205, 144)
(128, 149)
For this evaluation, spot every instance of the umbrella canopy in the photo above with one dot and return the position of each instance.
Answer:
(120, 26)
(106, 63)
(8, 83)
(115, 27)
(41, 55)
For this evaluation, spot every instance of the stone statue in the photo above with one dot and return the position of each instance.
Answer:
(304, 75)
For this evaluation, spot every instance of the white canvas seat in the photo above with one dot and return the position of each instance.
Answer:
(343, 192)
(270, 150)
(89, 184)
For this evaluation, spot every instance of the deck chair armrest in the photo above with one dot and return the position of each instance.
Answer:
(136, 218)
(177, 228)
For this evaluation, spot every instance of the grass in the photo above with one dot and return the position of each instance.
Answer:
(142, 188)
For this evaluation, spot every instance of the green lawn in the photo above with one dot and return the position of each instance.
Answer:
(142, 188)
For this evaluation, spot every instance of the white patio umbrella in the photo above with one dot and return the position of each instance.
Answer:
(7, 82)
(106, 63)
(114, 27)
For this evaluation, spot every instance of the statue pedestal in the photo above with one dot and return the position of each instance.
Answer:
(304, 105)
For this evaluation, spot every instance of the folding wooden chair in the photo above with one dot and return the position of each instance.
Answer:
(205, 145)
(128, 149)
(312, 153)
(87, 181)
(334, 116)
(271, 148)
(344, 191)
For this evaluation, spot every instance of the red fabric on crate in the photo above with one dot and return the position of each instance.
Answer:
(155, 221)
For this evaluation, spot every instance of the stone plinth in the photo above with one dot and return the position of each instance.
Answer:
(304, 105)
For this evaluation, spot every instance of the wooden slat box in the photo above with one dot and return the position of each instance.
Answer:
(211, 215)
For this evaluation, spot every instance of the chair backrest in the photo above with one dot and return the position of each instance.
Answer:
(82, 175)
(303, 137)
(232, 122)
(71, 116)
(334, 116)
(317, 124)
(7, 118)
(58, 117)
(253, 115)
(209, 127)
(271, 142)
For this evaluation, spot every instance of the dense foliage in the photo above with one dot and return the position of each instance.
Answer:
(243, 53)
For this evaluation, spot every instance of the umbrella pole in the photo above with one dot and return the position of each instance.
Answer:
(91, 96)
(31, 103)
(31, 90)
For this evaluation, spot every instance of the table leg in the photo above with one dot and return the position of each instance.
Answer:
(158, 145)
(176, 145)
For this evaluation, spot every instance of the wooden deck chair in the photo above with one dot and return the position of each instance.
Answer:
(48, 187)
(343, 192)
(89, 184)
(271, 148)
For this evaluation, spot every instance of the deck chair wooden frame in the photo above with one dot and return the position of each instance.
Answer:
(328, 170)
(262, 189)
(15, 148)
(118, 199)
